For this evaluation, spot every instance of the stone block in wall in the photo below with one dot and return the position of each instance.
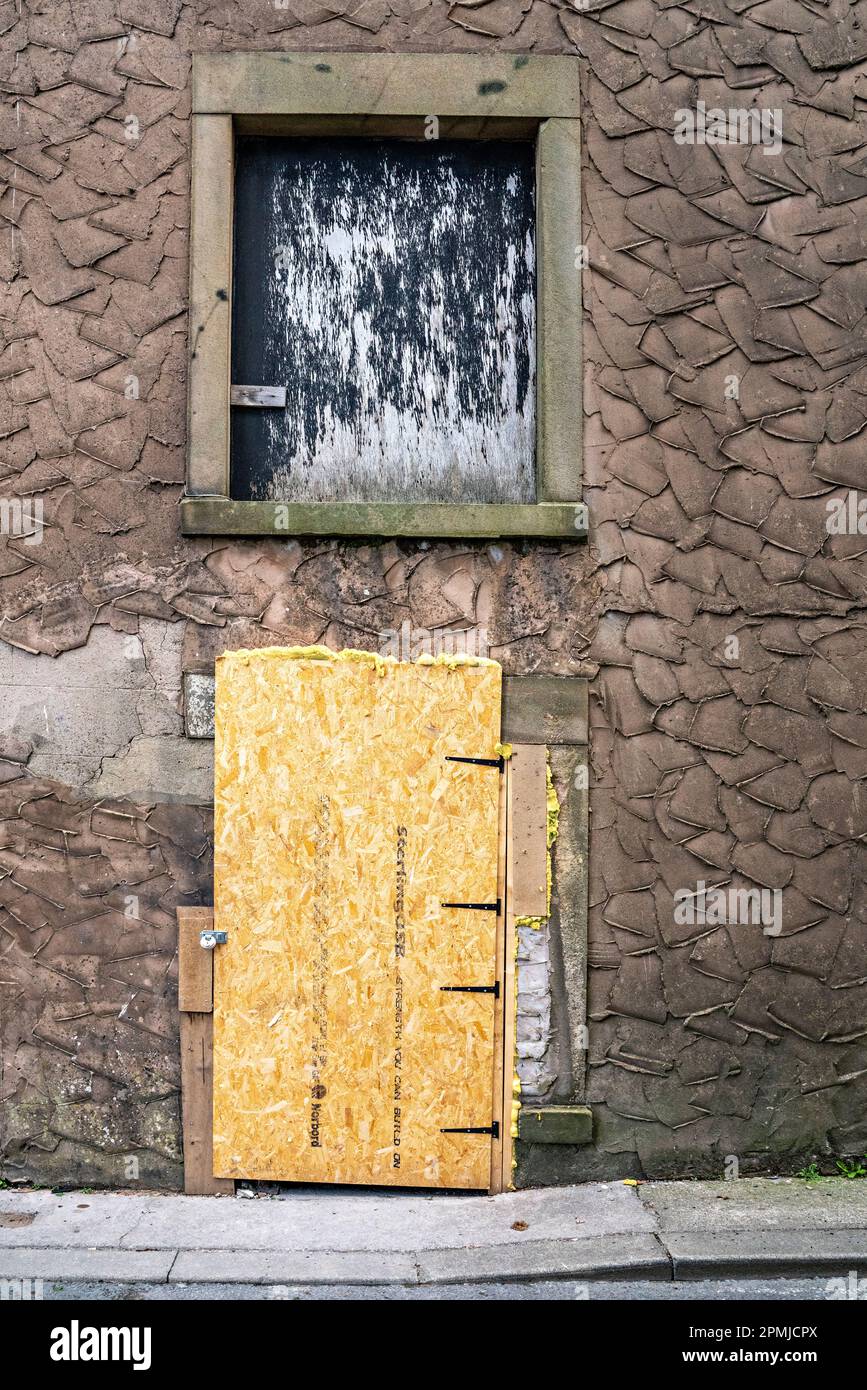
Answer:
(198, 704)
(544, 709)
(557, 1124)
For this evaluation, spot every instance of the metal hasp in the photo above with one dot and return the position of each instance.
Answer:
(209, 939)
(472, 989)
(493, 1130)
(499, 763)
(259, 396)
(476, 907)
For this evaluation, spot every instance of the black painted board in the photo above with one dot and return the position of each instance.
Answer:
(390, 286)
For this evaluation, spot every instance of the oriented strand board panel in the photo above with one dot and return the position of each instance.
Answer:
(341, 829)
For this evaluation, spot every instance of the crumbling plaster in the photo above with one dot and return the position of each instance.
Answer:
(106, 717)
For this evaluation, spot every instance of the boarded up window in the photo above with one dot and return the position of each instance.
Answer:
(389, 286)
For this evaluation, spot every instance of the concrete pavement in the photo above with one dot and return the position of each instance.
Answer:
(338, 1237)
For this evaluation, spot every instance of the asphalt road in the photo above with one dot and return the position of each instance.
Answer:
(567, 1290)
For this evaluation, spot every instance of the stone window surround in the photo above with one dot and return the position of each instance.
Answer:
(474, 96)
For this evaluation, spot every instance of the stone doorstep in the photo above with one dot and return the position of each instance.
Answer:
(556, 1124)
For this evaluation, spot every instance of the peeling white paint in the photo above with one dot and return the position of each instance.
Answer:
(403, 406)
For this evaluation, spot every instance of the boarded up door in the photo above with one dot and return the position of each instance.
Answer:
(340, 1052)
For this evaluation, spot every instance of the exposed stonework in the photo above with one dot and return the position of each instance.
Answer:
(708, 521)
(199, 712)
(534, 1066)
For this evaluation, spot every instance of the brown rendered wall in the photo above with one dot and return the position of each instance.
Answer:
(708, 520)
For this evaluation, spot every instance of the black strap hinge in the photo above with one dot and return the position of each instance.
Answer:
(476, 907)
(493, 1130)
(472, 989)
(499, 763)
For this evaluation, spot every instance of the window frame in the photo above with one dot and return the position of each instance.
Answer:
(473, 96)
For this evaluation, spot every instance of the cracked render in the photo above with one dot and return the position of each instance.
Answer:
(732, 762)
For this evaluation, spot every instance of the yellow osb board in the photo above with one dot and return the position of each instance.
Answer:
(340, 830)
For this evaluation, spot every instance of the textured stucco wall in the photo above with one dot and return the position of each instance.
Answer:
(708, 521)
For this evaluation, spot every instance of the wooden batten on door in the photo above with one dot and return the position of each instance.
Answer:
(195, 1005)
